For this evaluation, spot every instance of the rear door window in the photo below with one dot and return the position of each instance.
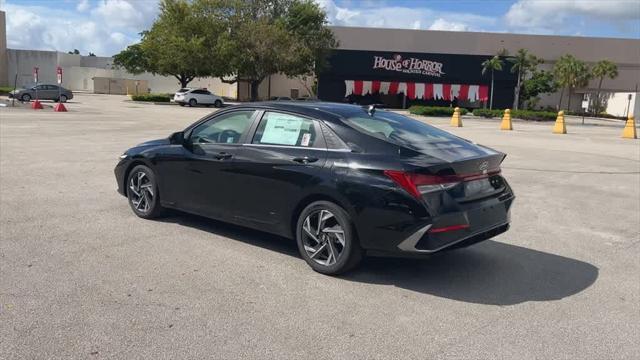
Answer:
(414, 134)
(288, 130)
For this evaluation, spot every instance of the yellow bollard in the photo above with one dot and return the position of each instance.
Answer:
(560, 127)
(456, 121)
(506, 121)
(629, 131)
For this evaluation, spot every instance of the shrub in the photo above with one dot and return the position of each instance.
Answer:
(601, 115)
(487, 113)
(534, 115)
(518, 114)
(152, 97)
(5, 89)
(434, 110)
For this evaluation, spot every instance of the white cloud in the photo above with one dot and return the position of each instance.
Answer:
(548, 16)
(133, 15)
(442, 24)
(43, 28)
(83, 5)
(382, 15)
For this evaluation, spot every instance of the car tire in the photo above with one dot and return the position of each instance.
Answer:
(193, 102)
(217, 103)
(181, 104)
(330, 246)
(63, 98)
(143, 194)
(25, 97)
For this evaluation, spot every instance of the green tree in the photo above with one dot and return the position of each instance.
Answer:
(493, 64)
(540, 82)
(182, 42)
(133, 59)
(522, 64)
(236, 40)
(570, 73)
(602, 69)
(275, 36)
(74, 52)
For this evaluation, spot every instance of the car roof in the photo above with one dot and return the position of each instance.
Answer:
(319, 109)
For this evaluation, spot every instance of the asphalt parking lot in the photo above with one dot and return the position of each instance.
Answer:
(82, 277)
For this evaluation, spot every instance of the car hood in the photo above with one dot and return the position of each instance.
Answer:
(154, 142)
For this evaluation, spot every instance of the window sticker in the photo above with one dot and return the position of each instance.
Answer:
(281, 129)
(306, 137)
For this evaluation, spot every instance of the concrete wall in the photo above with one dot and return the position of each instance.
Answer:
(618, 104)
(21, 62)
(102, 85)
(4, 75)
(277, 85)
(79, 72)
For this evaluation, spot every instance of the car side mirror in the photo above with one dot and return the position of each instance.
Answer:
(177, 138)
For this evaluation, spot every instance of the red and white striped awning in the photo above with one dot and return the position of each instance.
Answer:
(413, 90)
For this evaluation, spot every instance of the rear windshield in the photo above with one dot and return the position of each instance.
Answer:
(413, 134)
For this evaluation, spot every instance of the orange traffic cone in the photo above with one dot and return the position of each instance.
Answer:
(36, 105)
(60, 107)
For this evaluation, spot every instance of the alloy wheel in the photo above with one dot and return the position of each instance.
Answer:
(323, 237)
(141, 189)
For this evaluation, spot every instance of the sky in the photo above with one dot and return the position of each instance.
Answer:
(105, 27)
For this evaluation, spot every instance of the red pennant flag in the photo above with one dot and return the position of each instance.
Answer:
(464, 92)
(375, 87)
(446, 91)
(428, 91)
(357, 87)
(483, 93)
(393, 88)
(411, 90)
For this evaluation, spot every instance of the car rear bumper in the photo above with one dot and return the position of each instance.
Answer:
(465, 227)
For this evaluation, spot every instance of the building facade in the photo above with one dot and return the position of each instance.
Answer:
(407, 58)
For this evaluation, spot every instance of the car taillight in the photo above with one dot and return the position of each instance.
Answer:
(427, 183)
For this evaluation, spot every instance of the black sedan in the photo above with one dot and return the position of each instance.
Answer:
(343, 180)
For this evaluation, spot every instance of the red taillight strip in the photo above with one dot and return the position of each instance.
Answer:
(449, 228)
(411, 181)
(404, 180)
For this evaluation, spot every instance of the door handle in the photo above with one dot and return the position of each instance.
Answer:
(305, 159)
(222, 156)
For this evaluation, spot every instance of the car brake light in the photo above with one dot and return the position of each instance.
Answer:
(448, 228)
(411, 181)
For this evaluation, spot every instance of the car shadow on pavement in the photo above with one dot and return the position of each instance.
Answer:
(491, 272)
(236, 232)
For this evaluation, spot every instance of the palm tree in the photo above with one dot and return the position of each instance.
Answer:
(602, 69)
(570, 73)
(522, 62)
(493, 64)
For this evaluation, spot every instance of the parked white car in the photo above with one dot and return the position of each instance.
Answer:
(193, 97)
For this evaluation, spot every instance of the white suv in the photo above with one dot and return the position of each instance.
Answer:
(194, 97)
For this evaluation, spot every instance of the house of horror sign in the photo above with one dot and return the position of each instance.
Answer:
(409, 67)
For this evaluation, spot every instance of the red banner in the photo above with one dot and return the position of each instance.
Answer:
(424, 91)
